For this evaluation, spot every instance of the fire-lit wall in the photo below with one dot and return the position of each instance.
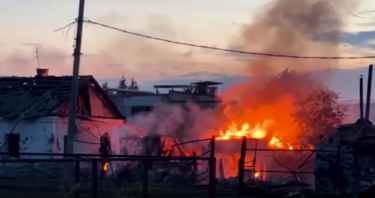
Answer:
(228, 153)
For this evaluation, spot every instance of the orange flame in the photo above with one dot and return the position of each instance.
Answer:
(259, 131)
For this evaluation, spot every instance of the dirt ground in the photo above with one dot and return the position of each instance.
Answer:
(26, 189)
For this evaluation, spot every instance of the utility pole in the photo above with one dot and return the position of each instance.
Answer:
(74, 90)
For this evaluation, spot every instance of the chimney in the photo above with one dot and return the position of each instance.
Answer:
(42, 72)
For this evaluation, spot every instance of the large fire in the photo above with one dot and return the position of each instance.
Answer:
(262, 131)
(258, 131)
(267, 98)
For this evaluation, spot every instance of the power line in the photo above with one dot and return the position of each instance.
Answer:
(228, 50)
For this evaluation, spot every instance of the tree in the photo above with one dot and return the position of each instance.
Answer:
(318, 112)
(122, 83)
(133, 85)
(105, 85)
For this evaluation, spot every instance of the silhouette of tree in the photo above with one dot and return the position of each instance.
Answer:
(105, 85)
(122, 83)
(318, 113)
(133, 85)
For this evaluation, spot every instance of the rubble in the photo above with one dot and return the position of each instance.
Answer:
(334, 170)
(344, 166)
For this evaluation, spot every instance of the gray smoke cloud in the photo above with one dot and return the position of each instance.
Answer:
(291, 27)
(184, 123)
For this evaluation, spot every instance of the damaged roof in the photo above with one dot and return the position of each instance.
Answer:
(31, 97)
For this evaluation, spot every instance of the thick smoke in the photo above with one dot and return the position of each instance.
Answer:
(185, 123)
(290, 27)
(295, 27)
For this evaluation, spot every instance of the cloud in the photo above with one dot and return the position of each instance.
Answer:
(188, 54)
(361, 39)
(118, 53)
(6, 10)
(32, 44)
(21, 62)
(366, 12)
(108, 54)
(202, 75)
(362, 21)
(137, 56)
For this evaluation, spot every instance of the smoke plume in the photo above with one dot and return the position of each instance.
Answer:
(293, 27)
(289, 27)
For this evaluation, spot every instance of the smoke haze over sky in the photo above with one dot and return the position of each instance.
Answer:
(108, 54)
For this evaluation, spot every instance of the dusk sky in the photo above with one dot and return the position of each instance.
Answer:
(109, 54)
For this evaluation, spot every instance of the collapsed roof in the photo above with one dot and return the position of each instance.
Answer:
(32, 97)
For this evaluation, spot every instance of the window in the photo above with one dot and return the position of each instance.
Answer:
(140, 109)
(12, 144)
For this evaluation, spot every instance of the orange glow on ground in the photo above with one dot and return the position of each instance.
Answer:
(105, 167)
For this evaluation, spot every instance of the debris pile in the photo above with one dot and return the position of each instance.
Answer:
(344, 165)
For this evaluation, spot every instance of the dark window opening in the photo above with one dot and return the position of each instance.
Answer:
(140, 109)
(13, 144)
(83, 103)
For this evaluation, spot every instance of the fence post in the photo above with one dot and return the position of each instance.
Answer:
(195, 167)
(77, 177)
(68, 173)
(145, 178)
(241, 166)
(254, 161)
(212, 178)
(212, 147)
(337, 165)
(65, 136)
(94, 182)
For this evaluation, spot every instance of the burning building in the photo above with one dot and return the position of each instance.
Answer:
(34, 112)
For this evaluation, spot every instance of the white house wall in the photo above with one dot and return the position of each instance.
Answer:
(46, 135)
(180, 96)
(125, 103)
(35, 135)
